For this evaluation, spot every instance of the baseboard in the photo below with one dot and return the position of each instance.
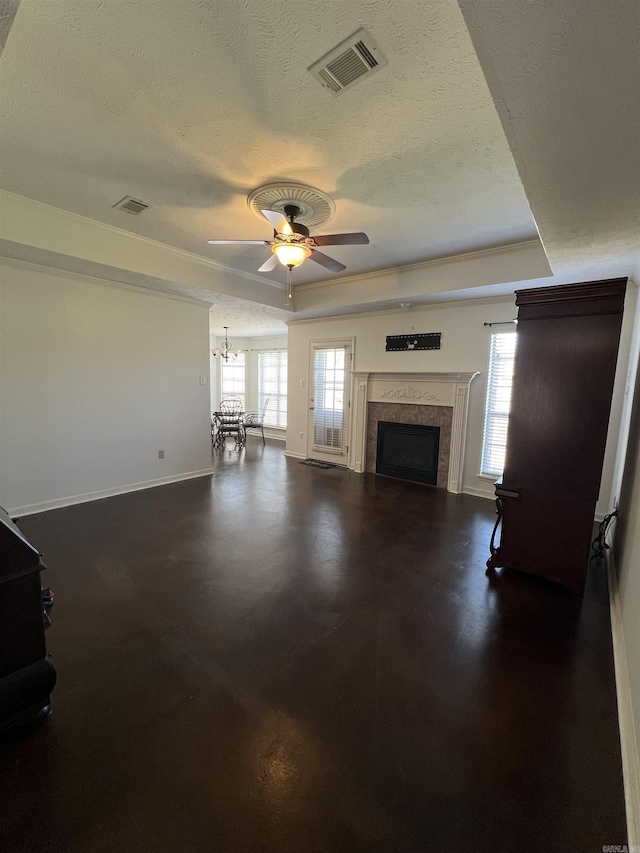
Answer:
(58, 503)
(276, 436)
(479, 493)
(628, 745)
(293, 455)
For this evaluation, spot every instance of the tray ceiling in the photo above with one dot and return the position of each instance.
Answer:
(188, 107)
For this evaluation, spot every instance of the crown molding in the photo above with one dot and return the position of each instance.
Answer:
(422, 306)
(420, 265)
(211, 264)
(149, 241)
(105, 282)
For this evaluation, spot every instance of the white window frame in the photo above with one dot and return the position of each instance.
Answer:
(334, 379)
(276, 414)
(496, 419)
(238, 388)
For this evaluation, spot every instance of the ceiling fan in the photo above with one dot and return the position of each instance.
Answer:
(291, 244)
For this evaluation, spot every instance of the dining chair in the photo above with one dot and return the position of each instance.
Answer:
(229, 421)
(254, 420)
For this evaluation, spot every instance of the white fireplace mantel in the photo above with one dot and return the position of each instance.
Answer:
(417, 389)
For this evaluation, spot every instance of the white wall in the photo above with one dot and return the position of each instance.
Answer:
(95, 380)
(627, 545)
(615, 450)
(464, 348)
(627, 564)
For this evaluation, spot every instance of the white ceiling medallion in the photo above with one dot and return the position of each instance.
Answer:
(314, 205)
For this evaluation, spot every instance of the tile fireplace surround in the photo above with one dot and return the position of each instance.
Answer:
(433, 399)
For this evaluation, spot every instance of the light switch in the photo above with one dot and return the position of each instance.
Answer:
(303, 382)
(203, 380)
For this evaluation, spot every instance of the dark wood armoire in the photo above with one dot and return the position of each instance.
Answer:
(563, 381)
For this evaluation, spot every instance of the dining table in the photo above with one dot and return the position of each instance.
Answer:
(227, 423)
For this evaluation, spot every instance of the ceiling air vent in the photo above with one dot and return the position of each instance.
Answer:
(131, 205)
(354, 58)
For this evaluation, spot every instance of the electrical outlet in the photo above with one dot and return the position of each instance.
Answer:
(303, 382)
(203, 380)
(301, 435)
(161, 454)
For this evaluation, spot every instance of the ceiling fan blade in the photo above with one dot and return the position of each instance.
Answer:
(326, 261)
(273, 216)
(356, 239)
(269, 264)
(241, 242)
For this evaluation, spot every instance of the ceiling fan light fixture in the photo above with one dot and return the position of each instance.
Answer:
(291, 209)
(291, 254)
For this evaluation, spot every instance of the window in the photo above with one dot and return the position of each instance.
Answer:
(233, 378)
(272, 385)
(328, 389)
(496, 418)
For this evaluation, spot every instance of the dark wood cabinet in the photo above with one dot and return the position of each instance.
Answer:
(563, 381)
(27, 675)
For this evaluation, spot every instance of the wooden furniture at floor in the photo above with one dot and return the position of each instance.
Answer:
(27, 675)
(563, 381)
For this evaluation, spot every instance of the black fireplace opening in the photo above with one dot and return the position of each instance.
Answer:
(408, 452)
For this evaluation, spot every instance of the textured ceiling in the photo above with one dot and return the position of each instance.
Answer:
(246, 319)
(565, 77)
(8, 9)
(189, 106)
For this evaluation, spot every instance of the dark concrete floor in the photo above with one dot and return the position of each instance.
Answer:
(283, 658)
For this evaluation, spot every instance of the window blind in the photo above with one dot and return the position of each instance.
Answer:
(233, 378)
(496, 420)
(272, 385)
(328, 383)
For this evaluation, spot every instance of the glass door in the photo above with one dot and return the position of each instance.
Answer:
(329, 382)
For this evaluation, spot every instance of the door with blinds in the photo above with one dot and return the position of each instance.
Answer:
(329, 382)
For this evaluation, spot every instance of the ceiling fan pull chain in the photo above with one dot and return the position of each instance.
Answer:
(289, 294)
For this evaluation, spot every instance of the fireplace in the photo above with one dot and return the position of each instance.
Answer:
(408, 451)
(414, 399)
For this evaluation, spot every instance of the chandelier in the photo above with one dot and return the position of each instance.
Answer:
(225, 350)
